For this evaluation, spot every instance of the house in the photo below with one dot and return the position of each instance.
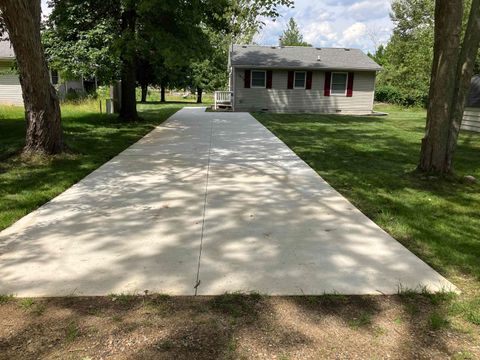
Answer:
(10, 88)
(471, 116)
(301, 79)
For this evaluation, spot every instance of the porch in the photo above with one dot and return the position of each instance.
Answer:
(223, 100)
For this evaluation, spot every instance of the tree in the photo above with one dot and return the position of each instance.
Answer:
(209, 73)
(102, 34)
(246, 17)
(292, 36)
(128, 68)
(80, 41)
(167, 35)
(407, 58)
(42, 110)
(145, 76)
(451, 73)
(379, 56)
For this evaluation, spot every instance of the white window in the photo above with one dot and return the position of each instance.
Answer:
(259, 79)
(339, 83)
(300, 80)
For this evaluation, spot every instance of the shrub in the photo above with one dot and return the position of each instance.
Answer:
(394, 95)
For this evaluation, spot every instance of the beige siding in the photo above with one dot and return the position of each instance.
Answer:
(281, 99)
(10, 89)
(471, 119)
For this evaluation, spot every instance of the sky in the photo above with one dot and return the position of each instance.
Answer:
(362, 24)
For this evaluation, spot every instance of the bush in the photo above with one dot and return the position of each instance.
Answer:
(393, 95)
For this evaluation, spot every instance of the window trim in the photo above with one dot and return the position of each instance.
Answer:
(264, 82)
(331, 83)
(304, 80)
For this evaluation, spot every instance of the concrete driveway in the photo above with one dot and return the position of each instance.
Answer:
(207, 202)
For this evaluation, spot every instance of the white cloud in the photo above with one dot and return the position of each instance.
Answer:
(354, 32)
(319, 33)
(335, 23)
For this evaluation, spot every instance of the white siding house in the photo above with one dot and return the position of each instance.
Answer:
(471, 116)
(301, 79)
(10, 88)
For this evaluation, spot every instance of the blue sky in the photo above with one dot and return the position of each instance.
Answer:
(361, 24)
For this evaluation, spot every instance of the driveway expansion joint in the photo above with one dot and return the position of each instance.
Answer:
(197, 280)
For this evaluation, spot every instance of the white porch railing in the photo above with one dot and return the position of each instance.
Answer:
(223, 99)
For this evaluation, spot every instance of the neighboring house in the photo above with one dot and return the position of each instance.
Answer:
(471, 116)
(10, 88)
(301, 79)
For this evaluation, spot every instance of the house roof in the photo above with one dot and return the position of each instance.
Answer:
(473, 99)
(6, 50)
(300, 57)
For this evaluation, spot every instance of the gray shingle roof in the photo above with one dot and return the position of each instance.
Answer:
(301, 57)
(6, 51)
(473, 99)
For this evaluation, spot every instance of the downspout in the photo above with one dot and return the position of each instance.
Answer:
(231, 70)
(234, 88)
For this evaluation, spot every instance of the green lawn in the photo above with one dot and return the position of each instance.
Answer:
(93, 139)
(371, 161)
(153, 95)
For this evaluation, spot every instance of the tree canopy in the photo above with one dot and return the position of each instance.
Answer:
(407, 57)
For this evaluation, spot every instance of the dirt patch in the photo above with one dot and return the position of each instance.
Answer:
(233, 327)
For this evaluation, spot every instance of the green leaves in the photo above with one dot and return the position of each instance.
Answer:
(79, 38)
(292, 36)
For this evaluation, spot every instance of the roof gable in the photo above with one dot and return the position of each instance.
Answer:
(301, 57)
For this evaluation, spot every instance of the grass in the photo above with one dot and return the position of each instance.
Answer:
(236, 304)
(5, 298)
(365, 319)
(93, 139)
(438, 321)
(72, 331)
(27, 303)
(234, 325)
(154, 96)
(371, 161)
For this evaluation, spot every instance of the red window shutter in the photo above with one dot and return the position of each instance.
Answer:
(291, 74)
(309, 80)
(269, 79)
(326, 87)
(246, 79)
(350, 84)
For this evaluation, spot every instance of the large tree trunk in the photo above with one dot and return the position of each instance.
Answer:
(199, 95)
(42, 111)
(465, 71)
(448, 28)
(162, 93)
(128, 109)
(144, 92)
